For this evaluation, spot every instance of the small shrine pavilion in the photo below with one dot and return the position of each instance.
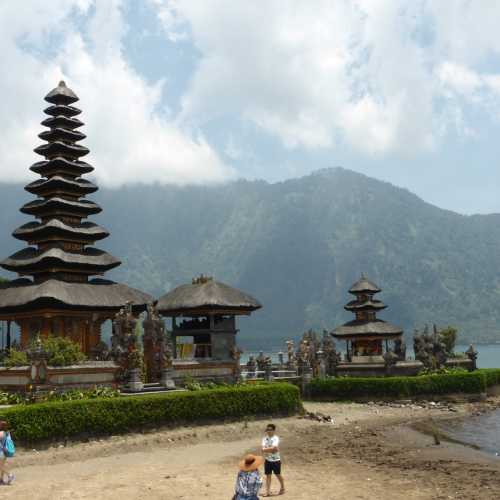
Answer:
(204, 318)
(366, 335)
(54, 293)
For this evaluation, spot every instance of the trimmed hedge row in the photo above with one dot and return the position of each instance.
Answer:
(492, 376)
(353, 387)
(117, 415)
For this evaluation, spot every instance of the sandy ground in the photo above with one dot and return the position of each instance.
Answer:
(369, 452)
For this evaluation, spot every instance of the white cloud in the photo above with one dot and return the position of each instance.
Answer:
(130, 140)
(377, 75)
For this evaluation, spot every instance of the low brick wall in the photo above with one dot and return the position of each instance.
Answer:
(203, 370)
(16, 378)
(86, 375)
(464, 363)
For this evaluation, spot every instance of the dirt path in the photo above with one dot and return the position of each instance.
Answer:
(323, 461)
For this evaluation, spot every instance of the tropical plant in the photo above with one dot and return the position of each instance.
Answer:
(15, 357)
(62, 351)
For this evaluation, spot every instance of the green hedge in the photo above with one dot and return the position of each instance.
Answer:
(492, 376)
(110, 416)
(355, 387)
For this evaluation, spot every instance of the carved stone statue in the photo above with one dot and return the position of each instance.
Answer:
(166, 353)
(101, 352)
(472, 354)
(430, 349)
(236, 355)
(157, 352)
(251, 366)
(125, 347)
(291, 363)
(331, 357)
(268, 369)
(261, 361)
(400, 349)
(390, 359)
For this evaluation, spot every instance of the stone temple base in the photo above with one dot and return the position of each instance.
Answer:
(401, 368)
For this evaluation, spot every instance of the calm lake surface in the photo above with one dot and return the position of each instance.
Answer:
(489, 355)
(482, 431)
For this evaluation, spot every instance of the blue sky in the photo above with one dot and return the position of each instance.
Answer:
(178, 91)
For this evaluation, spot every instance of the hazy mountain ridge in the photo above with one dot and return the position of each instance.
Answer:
(298, 245)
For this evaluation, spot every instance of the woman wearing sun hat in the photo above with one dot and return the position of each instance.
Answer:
(248, 481)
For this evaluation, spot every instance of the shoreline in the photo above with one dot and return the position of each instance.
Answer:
(370, 451)
(437, 430)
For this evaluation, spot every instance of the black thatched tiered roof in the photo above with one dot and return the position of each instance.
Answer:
(60, 257)
(205, 295)
(365, 308)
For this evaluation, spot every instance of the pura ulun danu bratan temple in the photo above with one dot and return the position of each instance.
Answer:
(60, 289)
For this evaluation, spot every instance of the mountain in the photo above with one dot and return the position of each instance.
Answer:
(298, 245)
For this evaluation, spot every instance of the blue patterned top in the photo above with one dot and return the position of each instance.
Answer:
(248, 483)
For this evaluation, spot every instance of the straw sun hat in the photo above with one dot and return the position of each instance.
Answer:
(250, 463)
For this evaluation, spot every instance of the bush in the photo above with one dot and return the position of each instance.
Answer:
(15, 358)
(436, 384)
(492, 376)
(117, 415)
(63, 351)
(75, 394)
(10, 398)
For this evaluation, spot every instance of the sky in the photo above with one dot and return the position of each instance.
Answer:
(183, 92)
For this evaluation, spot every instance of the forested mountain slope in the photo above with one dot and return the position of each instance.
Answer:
(298, 245)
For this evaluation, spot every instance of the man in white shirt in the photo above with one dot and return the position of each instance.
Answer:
(272, 464)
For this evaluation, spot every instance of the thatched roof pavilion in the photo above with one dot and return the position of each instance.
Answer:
(55, 292)
(205, 295)
(212, 307)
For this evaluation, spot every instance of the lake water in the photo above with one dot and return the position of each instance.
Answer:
(489, 355)
(482, 431)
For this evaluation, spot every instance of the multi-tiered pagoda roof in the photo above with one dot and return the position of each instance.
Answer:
(59, 266)
(365, 307)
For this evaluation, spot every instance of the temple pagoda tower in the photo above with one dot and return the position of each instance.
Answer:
(364, 335)
(55, 293)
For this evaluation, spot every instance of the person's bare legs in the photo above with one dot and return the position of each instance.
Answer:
(268, 485)
(4, 469)
(282, 483)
